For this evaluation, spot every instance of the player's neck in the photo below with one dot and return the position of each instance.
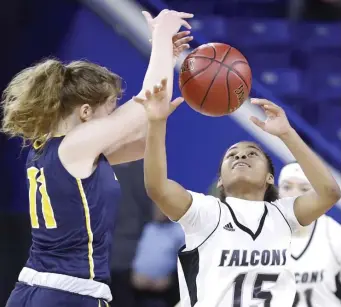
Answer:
(253, 195)
(65, 126)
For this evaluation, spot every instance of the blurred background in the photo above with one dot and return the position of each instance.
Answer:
(294, 49)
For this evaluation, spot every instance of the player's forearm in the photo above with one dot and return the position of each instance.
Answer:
(160, 63)
(168, 195)
(133, 138)
(155, 159)
(316, 171)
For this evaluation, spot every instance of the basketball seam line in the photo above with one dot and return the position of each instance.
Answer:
(229, 67)
(228, 90)
(240, 77)
(200, 71)
(215, 76)
(213, 59)
(197, 73)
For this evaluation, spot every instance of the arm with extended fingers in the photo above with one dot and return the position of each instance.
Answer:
(170, 197)
(326, 191)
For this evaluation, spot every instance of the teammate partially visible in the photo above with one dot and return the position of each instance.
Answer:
(238, 247)
(315, 249)
(68, 112)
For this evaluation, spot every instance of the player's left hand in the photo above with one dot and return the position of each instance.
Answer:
(157, 104)
(276, 122)
(180, 43)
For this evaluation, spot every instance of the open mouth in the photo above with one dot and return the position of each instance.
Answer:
(241, 165)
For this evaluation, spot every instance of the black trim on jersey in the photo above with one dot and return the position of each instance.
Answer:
(246, 229)
(283, 216)
(338, 286)
(305, 249)
(190, 267)
(189, 261)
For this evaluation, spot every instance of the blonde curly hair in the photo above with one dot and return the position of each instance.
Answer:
(40, 96)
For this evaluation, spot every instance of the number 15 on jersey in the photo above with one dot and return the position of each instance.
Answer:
(257, 292)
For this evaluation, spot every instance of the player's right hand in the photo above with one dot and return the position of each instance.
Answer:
(168, 22)
(157, 103)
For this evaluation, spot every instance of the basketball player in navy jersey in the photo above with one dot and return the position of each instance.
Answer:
(69, 114)
(315, 249)
(237, 249)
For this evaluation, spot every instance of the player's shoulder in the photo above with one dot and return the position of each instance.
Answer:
(43, 151)
(283, 202)
(203, 199)
(285, 206)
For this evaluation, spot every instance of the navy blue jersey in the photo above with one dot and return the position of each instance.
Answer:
(72, 219)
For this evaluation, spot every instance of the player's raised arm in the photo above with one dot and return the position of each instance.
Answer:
(133, 148)
(326, 191)
(121, 135)
(171, 197)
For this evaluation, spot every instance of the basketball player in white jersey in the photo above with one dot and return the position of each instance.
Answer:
(315, 249)
(237, 249)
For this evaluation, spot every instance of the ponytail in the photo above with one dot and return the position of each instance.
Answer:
(40, 96)
(32, 101)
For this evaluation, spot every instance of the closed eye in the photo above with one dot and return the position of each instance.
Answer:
(230, 155)
(253, 153)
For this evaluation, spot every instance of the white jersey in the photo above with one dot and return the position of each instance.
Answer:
(317, 264)
(237, 254)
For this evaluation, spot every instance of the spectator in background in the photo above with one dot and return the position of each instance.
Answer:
(154, 266)
(135, 210)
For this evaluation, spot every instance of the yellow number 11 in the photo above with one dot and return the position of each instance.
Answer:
(47, 210)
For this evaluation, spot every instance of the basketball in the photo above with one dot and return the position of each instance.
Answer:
(215, 79)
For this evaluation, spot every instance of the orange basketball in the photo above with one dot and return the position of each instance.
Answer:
(215, 79)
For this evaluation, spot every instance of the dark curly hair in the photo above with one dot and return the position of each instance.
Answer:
(271, 193)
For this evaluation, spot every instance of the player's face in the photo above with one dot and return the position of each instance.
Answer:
(292, 187)
(246, 163)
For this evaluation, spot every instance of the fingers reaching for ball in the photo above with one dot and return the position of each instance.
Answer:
(179, 36)
(157, 103)
(276, 122)
(257, 122)
(176, 102)
(159, 93)
(181, 39)
(268, 106)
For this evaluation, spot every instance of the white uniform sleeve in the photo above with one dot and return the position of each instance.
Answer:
(334, 232)
(200, 220)
(286, 206)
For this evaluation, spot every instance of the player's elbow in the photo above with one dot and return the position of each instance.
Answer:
(334, 193)
(331, 195)
(155, 191)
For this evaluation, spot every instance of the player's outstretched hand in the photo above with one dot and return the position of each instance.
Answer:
(157, 104)
(168, 22)
(276, 122)
(181, 43)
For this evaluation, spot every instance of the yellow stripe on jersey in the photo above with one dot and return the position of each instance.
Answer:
(106, 304)
(31, 175)
(50, 221)
(88, 227)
